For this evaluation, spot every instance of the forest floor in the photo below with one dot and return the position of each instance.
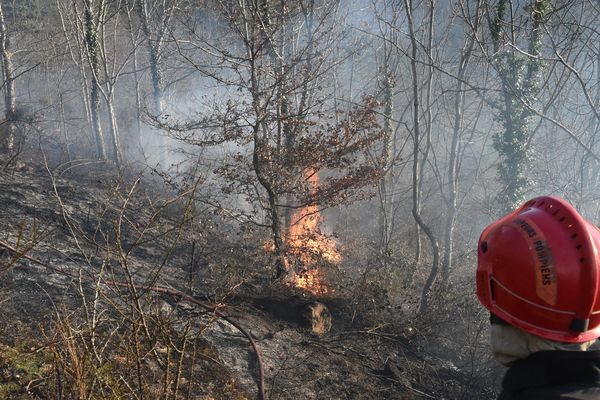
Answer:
(66, 220)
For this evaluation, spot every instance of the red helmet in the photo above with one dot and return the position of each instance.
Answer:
(539, 270)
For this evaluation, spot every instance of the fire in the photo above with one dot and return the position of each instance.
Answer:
(305, 240)
(307, 245)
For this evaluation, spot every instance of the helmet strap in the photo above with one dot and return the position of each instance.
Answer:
(495, 320)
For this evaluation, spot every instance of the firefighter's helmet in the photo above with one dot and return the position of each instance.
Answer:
(538, 270)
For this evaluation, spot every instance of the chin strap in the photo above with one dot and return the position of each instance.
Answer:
(495, 320)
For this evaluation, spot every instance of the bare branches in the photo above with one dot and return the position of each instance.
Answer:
(98, 279)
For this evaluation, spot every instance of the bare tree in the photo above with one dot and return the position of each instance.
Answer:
(93, 29)
(92, 47)
(278, 114)
(474, 17)
(519, 75)
(417, 138)
(387, 65)
(160, 12)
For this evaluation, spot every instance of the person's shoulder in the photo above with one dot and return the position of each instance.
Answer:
(561, 392)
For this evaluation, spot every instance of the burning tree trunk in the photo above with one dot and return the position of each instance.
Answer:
(307, 246)
(277, 117)
(258, 163)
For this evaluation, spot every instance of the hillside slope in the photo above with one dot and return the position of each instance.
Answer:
(96, 329)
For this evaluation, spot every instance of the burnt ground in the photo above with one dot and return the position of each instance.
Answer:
(71, 217)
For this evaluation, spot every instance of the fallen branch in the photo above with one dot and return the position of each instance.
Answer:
(156, 289)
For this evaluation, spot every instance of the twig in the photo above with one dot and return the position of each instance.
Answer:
(420, 392)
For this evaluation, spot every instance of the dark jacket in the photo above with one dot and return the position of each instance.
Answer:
(552, 375)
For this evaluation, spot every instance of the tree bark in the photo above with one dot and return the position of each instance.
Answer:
(416, 161)
(520, 88)
(459, 100)
(276, 225)
(134, 60)
(153, 58)
(113, 130)
(386, 201)
(7, 141)
(92, 46)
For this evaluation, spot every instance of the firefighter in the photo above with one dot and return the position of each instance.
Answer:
(538, 274)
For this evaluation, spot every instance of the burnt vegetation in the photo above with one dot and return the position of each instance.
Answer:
(274, 199)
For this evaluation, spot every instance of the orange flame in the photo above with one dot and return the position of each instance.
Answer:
(308, 245)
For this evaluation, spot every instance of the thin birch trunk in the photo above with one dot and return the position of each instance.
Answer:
(138, 102)
(416, 161)
(113, 130)
(7, 142)
(387, 156)
(459, 104)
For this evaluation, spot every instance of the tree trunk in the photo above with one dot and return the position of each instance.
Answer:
(7, 140)
(113, 130)
(416, 161)
(64, 129)
(91, 39)
(134, 59)
(276, 225)
(459, 100)
(386, 200)
(153, 58)
(519, 88)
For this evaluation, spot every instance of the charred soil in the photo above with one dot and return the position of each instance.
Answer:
(69, 331)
